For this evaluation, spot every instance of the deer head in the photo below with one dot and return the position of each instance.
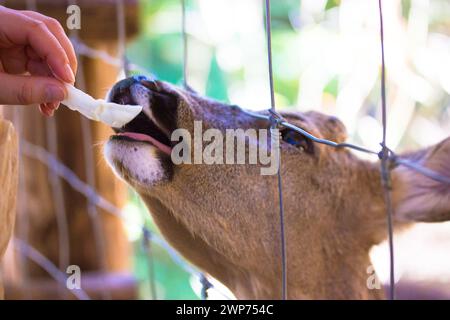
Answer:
(224, 218)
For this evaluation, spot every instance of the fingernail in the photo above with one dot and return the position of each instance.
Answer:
(54, 93)
(70, 77)
(51, 106)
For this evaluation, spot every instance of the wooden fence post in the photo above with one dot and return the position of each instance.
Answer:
(8, 185)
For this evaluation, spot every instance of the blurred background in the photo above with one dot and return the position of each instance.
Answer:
(326, 56)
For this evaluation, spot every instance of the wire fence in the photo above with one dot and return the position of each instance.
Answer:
(388, 159)
(58, 171)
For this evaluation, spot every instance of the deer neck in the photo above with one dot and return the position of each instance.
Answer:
(329, 260)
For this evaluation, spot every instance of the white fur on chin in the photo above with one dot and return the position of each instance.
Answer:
(139, 159)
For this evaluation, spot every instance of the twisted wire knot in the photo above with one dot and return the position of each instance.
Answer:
(276, 119)
(388, 162)
(389, 156)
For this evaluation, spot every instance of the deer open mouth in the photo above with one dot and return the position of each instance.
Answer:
(150, 126)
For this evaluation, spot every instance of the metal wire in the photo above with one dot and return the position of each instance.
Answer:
(274, 125)
(423, 170)
(147, 245)
(206, 285)
(48, 266)
(392, 157)
(385, 168)
(121, 35)
(83, 49)
(285, 124)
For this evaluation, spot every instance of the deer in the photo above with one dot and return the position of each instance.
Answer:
(224, 218)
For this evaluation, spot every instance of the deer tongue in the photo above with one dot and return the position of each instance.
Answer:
(146, 138)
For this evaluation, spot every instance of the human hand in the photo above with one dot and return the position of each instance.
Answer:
(35, 56)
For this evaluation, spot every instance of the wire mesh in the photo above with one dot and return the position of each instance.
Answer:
(58, 171)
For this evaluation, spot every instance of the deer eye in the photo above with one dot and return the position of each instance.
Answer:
(297, 140)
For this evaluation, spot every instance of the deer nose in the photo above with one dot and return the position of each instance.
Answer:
(120, 92)
(125, 84)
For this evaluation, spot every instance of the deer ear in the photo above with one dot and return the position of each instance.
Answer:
(330, 127)
(417, 197)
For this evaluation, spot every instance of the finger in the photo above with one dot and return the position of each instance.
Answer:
(36, 34)
(53, 105)
(45, 110)
(31, 54)
(14, 60)
(49, 108)
(24, 90)
(58, 31)
(39, 68)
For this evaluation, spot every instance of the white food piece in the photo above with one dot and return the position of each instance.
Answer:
(113, 114)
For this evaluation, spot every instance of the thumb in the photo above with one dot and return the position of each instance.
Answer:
(23, 90)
